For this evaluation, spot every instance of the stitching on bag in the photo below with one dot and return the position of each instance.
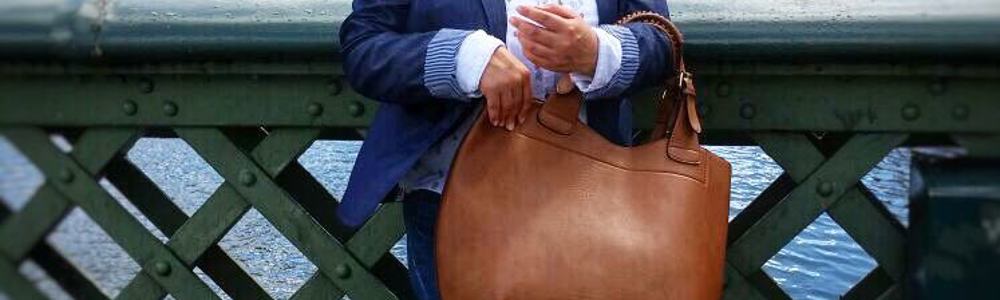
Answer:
(702, 167)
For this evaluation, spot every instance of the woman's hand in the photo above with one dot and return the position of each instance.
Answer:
(506, 84)
(564, 43)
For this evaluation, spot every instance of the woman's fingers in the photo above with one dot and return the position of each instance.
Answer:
(527, 101)
(507, 108)
(550, 21)
(560, 10)
(535, 47)
(493, 108)
(549, 63)
(531, 31)
(516, 100)
(560, 41)
(565, 84)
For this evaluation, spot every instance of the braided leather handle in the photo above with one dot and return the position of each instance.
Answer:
(664, 25)
(683, 145)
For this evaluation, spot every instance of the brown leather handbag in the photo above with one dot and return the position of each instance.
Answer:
(553, 210)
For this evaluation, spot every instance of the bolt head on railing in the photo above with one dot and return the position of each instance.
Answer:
(910, 112)
(66, 176)
(343, 271)
(825, 189)
(146, 86)
(247, 178)
(314, 109)
(161, 268)
(130, 108)
(356, 109)
(170, 109)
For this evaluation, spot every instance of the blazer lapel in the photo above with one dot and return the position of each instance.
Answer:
(496, 17)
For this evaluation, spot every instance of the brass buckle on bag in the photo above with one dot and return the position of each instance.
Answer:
(680, 79)
(681, 76)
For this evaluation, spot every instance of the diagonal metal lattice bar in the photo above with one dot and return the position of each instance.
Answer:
(79, 185)
(24, 231)
(783, 211)
(872, 226)
(219, 213)
(756, 284)
(167, 217)
(257, 186)
(380, 232)
(223, 210)
(377, 236)
(857, 211)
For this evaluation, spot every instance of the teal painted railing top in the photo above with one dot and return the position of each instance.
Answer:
(131, 30)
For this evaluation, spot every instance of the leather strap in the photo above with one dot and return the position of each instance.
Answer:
(677, 107)
(678, 102)
(560, 112)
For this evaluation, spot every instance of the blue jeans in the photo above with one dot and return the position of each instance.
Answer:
(420, 213)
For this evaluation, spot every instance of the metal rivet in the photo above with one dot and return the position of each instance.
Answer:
(146, 85)
(247, 178)
(937, 87)
(129, 107)
(910, 112)
(314, 109)
(748, 111)
(342, 271)
(723, 89)
(170, 109)
(161, 268)
(960, 112)
(66, 175)
(356, 109)
(825, 189)
(335, 87)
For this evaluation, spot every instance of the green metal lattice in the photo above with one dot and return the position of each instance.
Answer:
(866, 117)
(250, 87)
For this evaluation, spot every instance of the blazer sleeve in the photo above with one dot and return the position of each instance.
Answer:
(646, 52)
(655, 48)
(384, 62)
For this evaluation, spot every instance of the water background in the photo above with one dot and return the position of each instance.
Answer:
(822, 262)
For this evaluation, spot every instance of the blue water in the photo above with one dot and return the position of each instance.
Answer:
(822, 262)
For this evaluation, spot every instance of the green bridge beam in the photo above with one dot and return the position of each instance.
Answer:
(825, 88)
(717, 30)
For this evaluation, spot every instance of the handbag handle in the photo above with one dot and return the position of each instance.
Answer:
(677, 102)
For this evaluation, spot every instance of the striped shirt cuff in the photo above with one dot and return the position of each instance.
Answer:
(622, 79)
(440, 64)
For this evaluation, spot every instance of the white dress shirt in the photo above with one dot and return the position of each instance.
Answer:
(475, 52)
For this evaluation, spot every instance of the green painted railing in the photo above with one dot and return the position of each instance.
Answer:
(827, 90)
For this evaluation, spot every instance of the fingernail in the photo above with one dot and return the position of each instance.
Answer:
(510, 126)
(522, 119)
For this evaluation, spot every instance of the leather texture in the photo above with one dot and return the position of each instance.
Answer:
(552, 210)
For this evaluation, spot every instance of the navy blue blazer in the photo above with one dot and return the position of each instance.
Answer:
(401, 53)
